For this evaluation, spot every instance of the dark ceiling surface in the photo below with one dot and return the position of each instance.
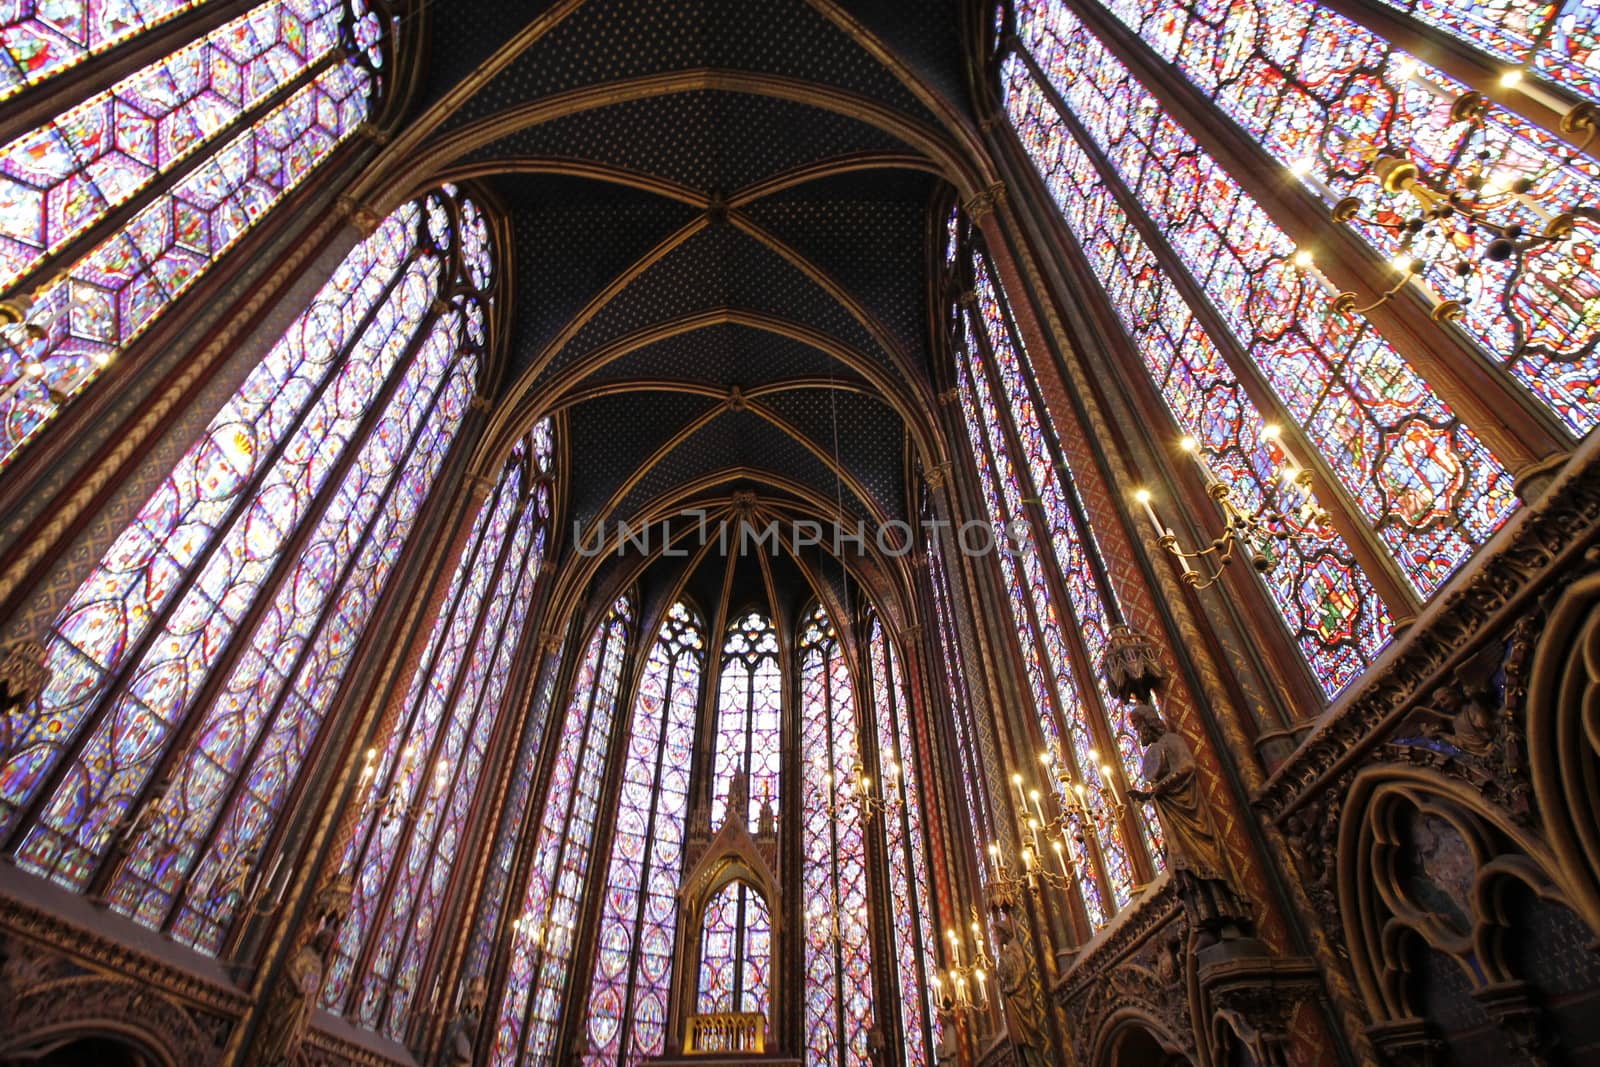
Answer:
(721, 217)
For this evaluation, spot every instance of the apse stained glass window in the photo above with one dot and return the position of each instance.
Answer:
(638, 918)
(833, 877)
(497, 881)
(114, 207)
(415, 797)
(1064, 526)
(749, 715)
(192, 670)
(962, 713)
(543, 935)
(1042, 641)
(1327, 96)
(736, 952)
(913, 932)
(1423, 481)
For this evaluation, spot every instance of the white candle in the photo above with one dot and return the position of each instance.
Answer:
(1143, 497)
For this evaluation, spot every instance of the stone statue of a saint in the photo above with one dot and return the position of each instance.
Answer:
(1023, 1025)
(1201, 873)
(293, 998)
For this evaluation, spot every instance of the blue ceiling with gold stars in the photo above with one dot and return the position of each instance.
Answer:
(723, 219)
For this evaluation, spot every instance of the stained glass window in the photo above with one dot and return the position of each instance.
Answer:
(913, 933)
(1558, 39)
(1326, 96)
(497, 881)
(1065, 527)
(736, 952)
(833, 878)
(1415, 474)
(962, 713)
(417, 795)
(543, 935)
(638, 920)
(192, 669)
(143, 186)
(42, 38)
(749, 713)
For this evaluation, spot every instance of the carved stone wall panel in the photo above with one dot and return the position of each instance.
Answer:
(57, 979)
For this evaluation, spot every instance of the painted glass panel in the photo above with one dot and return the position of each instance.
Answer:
(749, 710)
(60, 178)
(638, 918)
(736, 952)
(1423, 480)
(833, 878)
(41, 38)
(1559, 39)
(497, 880)
(1057, 689)
(541, 949)
(1327, 96)
(913, 932)
(961, 709)
(271, 542)
(325, 353)
(1071, 539)
(1327, 603)
(402, 779)
(164, 683)
(110, 296)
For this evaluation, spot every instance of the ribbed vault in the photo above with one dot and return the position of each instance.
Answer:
(722, 217)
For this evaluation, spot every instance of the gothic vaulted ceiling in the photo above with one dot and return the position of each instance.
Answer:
(722, 215)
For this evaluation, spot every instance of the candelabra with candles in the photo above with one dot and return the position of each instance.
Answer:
(858, 786)
(392, 806)
(1484, 206)
(1043, 836)
(24, 325)
(539, 931)
(1250, 534)
(964, 987)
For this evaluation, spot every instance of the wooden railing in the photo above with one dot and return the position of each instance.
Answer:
(726, 1031)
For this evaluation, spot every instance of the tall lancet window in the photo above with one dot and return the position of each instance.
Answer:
(914, 934)
(120, 201)
(833, 877)
(192, 670)
(1343, 95)
(417, 790)
(736, 952)
(962, 714)
(1061, 602)
(545, 933)
(638, 920)
(1239, 336)
(749, 716)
